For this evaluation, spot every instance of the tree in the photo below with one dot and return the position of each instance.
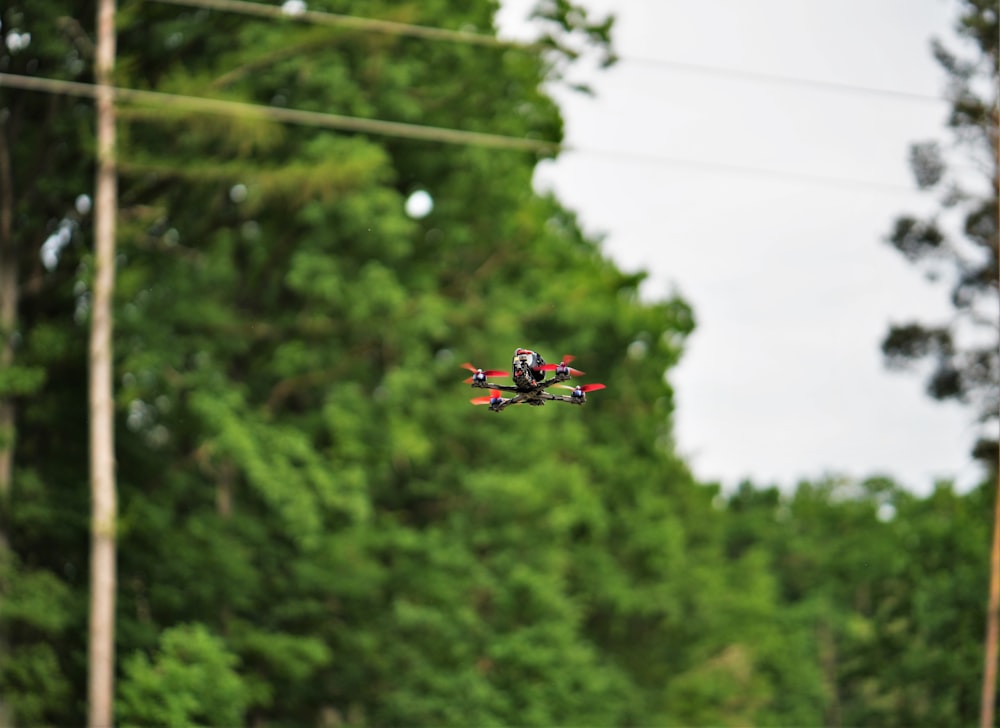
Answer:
(879, 590)
(44, 176)
(964, 351)
(275, 313)
(192, 680)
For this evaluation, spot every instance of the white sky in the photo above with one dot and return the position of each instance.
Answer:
(790, 280)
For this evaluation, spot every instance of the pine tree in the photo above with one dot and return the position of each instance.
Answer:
(963, 237)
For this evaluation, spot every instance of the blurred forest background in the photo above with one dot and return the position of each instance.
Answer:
(314, 527)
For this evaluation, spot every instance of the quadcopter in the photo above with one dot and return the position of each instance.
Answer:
(528, 370)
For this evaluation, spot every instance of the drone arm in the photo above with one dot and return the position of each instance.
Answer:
(490, 385)
(553, 380)
(504, 403)
(563, 398)
(508, 388)
(549, 397)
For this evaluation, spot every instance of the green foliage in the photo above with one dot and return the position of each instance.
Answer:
(891, 588)
(35, 601)
(34, 683)
(20, 381)
(37, 609)
(192, 680)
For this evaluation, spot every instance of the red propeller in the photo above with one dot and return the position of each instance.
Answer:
(584, 387)
(567, 358)
(494, 395)
(486, 372)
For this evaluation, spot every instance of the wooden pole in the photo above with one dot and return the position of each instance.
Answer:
(101, 659)
(986, 714)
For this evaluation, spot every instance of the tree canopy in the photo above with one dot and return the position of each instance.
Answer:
(959, 242)
(315, 527)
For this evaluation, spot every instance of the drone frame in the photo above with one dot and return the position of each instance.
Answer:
(535, 396)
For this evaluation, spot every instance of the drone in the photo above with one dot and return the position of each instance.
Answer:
(529, 370)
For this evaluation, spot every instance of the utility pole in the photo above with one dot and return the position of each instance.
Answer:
(104, 506)
(990, 653)
(986, 714)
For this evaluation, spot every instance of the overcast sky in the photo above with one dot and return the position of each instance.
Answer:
(765, 204)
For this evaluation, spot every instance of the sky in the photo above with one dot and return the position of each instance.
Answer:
(765, 203)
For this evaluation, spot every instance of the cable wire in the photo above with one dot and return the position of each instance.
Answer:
(745, 170)
(290, 116)
(427, 32)
(352, 22)
(773, 78)
(415, 131)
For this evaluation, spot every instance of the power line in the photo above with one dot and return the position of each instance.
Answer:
(773, 78)
(374, 25)
(414, 131)
(290, 116)
(352, 22)
(745, 170)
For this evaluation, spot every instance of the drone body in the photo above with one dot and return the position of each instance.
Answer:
(528, 371)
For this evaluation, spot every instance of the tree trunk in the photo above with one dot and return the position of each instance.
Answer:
(8, 314)
(102, 444)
